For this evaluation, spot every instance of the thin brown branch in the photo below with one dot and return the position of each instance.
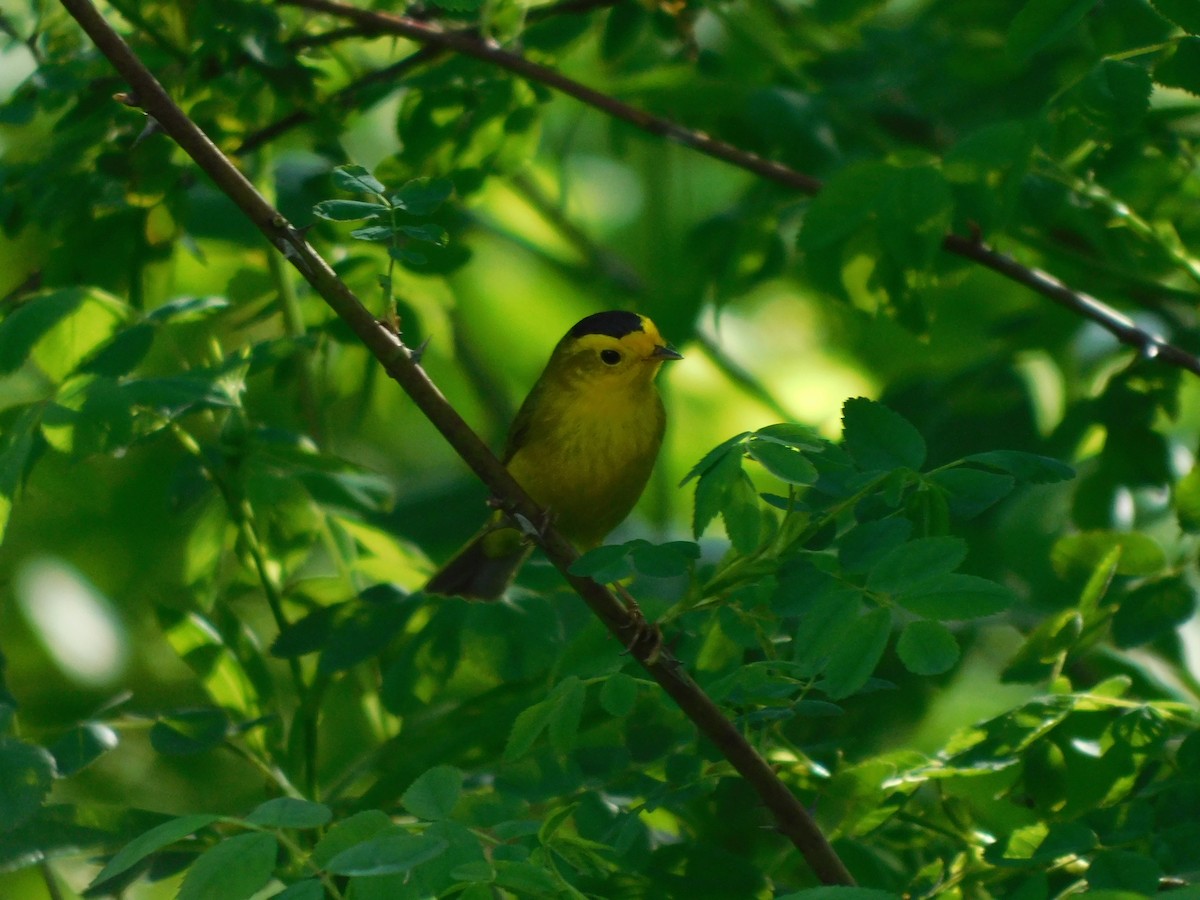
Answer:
(969, 248)
(791, 818)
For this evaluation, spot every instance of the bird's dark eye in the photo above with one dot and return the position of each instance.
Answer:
(610, 357)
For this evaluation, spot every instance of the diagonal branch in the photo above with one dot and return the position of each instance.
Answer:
(1083, 305)
(791, 818)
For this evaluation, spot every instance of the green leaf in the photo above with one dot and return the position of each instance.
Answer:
(290, 812)
(82, 746)
(1040, 23)
(434, 793)
(356, 180)
(1152, 610)
(1116, 94)
(307, 634)
(422, 196)
(1184, 13)
(432, 234)
(624, 25)
(618, 694)
(741, 514)
(121, 353)
(59, 329)
(716, 482)
(235, 869)
(847, 202)
(567, 698)
(669, 560)
(308, 889)
(1123, 870)
(782, 461)
(387, 854)
(1046, 647)
(915, 212)
(349, 210)
(855, 659)
(1182, 68)
(527, 727)
(792, 435)
(836, 892)
(1186, 501)
(915, 563)
(713, 456)
(879, 439)
(863, 546)
(1082, 553)
(150, 842)
(189, 731)
(956, 597)
(605, 564)
(362, 634)
(1025, 467)
(373, 233)
(357, 829)
(26, 775)
(927, 648)
(183, 310)
(971, 491)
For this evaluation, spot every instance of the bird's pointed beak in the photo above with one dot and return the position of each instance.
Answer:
(664, 353)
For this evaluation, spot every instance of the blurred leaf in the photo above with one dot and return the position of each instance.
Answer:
(845, 204)
(528, 727)
(1186, 501)
(308, 889)
(306, 635)
(1152, 610)
(1025, 467)
(927, 648)
(1182, 12)
(82, 746)
(290, 812)
(604, 564)
(1045, 648)
(669, 560)
(618, 694)
(1123, 870)
(567, 698)
(915, 212)
(1116, 94)
(1081, 553)
(235, 869)
(1182, 68)
(971, 491)
(26, 774)
(834, 892)
(67, 324)
(187, 309)
(879, 439)
(189, 731)
(434, 794)
(386, 854)
(1040, 23)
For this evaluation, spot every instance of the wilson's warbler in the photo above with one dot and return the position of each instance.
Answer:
(582, 445)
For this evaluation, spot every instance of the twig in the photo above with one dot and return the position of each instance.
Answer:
(969, 248)
(791, 818)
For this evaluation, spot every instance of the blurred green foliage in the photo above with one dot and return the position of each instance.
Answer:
(957, 617)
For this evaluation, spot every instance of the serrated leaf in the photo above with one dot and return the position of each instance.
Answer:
(422, 196)
(879, 439)
(1025, 467)
(855, 659)
(927, 648)
(150, 842)
(348, 210)
(357, 180)
(347, 833)
(741, 514)
(235, 869)
(527, 727)
(618, 694)
(387, 854)
(434, 793)
(1184, 13)
(714, 485)
(916, 563)
(713, 456)
(783, 461)
(971, 491)
(290, 812)
(956, 597)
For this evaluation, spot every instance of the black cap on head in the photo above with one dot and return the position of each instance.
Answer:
(615, 323)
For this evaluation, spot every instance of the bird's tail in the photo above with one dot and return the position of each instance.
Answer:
(484, 568)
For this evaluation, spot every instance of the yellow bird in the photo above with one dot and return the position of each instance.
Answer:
(582, 446)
